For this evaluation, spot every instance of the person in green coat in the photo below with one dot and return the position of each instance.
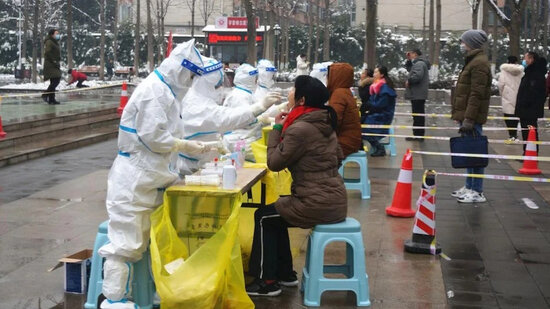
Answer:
(52, 70)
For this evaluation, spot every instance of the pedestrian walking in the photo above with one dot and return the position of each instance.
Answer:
(340, 80)
(380, 109)
(531, 94)
(508, 85)
(470, 105)
(52, 68)
(416, 90)
(110, 66)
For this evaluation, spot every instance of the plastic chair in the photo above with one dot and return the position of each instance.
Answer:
(313, 281)
(363, 184)
(390, 144)
(143, 287)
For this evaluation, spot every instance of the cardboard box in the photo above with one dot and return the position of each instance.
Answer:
(77, 271)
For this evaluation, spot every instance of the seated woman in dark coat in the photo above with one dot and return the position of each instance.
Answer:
(304, 141)
(380, 109)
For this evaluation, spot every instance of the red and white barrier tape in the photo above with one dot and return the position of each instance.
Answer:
(446, 138)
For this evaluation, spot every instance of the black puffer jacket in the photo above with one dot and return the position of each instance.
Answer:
(532, 91)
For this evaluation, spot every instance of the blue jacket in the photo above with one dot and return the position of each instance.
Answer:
(381, 108)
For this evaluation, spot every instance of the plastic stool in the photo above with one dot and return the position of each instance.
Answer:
(143, 287)
(313, 281)
(390, 145)
(363, 184)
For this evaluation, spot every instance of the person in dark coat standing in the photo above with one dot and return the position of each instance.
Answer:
(470, 105)
(304, 141)
(417, 90)
(381, 108)
(52, 68)
(531, 93)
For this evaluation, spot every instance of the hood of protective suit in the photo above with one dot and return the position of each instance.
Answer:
(245, 77)
(300, 60)
(340, 75)
(513, 69)
(209, 85)
(320, 71)
(266, 72)
(171, 69)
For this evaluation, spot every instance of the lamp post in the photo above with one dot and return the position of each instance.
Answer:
(277, 32)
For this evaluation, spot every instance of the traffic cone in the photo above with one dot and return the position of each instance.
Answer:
(401, 204)
(123, 98)
(530, 167)
(2, 133)
(423, 236)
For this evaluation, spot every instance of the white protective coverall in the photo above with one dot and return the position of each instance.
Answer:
(301, 66)
(320, 71)
(205, 119)
(148, 136)
(241, 97)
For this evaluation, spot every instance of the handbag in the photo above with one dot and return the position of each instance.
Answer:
(474, 144)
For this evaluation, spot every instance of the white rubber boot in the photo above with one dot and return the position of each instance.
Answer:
(121, 304)
(117, 284)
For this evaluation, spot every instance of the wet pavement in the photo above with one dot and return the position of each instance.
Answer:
(498, 252)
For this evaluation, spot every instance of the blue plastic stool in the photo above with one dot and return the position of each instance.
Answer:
(143, 287)
(363, 184)
(313, 281)
(390, 145)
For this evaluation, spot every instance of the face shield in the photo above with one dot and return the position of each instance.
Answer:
(209, 79)
(266, 73)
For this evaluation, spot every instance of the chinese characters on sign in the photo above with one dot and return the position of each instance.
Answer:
(231, 22)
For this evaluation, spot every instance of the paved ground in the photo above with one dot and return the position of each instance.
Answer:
(499, 251)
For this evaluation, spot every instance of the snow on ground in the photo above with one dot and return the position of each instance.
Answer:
(62, 85)
(6, 77)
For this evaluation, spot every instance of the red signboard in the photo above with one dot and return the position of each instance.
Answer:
(232, 22)
(214, 38)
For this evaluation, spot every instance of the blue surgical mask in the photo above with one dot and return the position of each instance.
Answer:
(524, 63)
(58, 37)
(463, 48)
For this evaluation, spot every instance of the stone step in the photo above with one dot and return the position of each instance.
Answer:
(47, 135)
(38, 134)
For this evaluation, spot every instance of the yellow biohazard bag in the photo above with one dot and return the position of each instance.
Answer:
(195, 251)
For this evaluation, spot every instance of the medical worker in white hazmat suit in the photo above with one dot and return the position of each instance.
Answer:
(206, 120)
(147, 138)
(242, 97)
(320, 71)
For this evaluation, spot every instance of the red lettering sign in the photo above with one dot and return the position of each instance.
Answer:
(214, 38)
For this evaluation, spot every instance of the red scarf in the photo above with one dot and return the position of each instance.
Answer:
(296, 112)
(375, 87)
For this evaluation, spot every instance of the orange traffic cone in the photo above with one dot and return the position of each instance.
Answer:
(401, 204)
(530, 167)
(2, 133)
(123, 98)
(423, 237)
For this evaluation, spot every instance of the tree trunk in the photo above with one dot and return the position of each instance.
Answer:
(35, 41)
(42, 28)
(475, 11)
(251, 31)
(193, 2)
(532, 21)
(424, 32)
(24, 36)
(270, 54)
(437, 47)
(544, 8)
(326, 36)
(150, 56)
(102, 42)
(287, 42)
(485, 24)
(136, 34)
(160, 35)
(372, 8)
(431, 34)
(512, 23)
(115, 35)
(317, 33)
(494, 49)
(70, 34)
(309, 31)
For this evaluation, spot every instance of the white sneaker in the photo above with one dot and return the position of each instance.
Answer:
(510, 140)
(472, 197)
(460, 192)
(121, 304)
